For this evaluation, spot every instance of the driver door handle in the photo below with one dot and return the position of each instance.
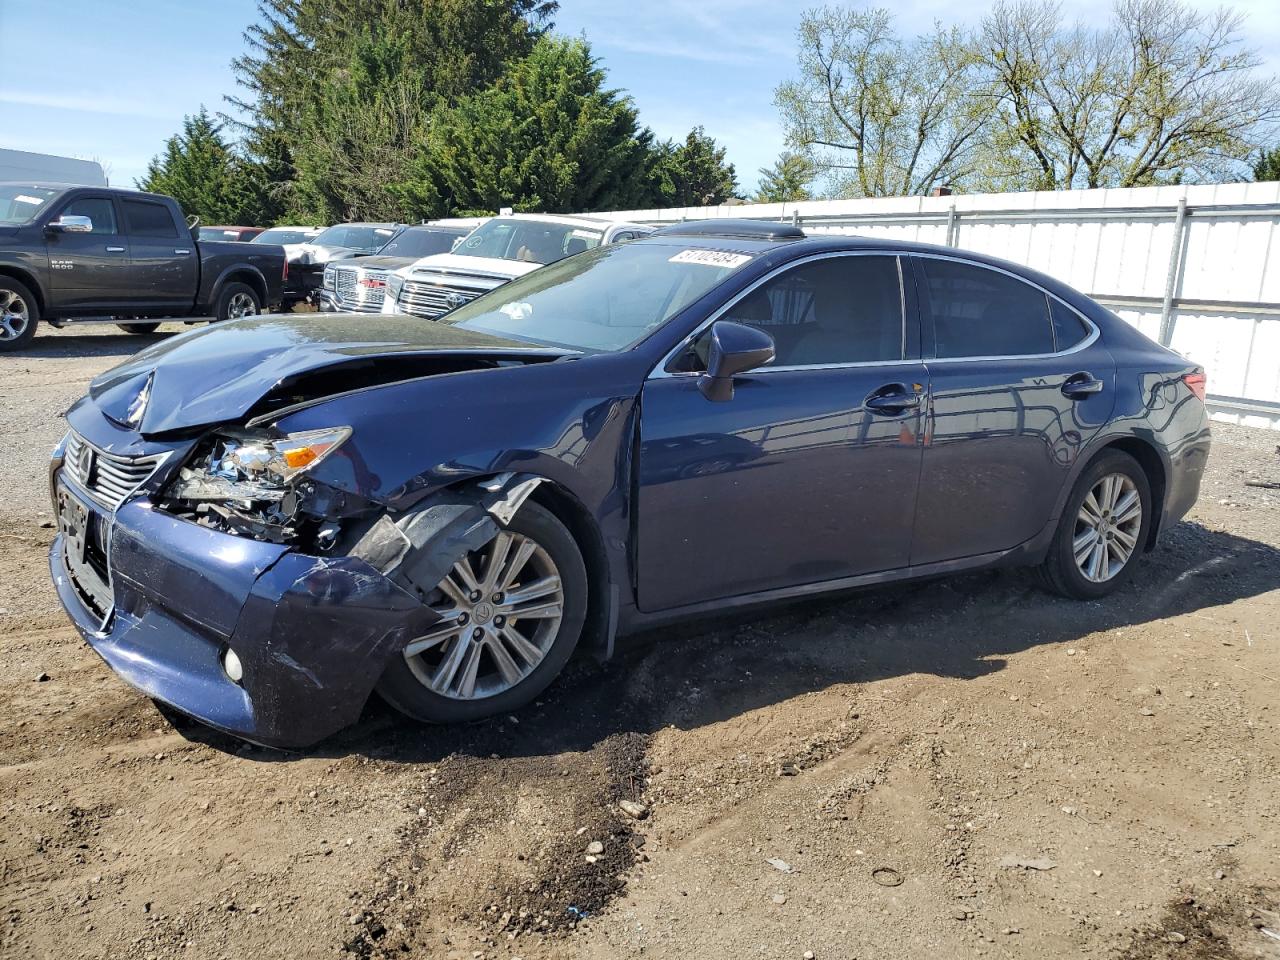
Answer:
(892, 398)
(115, 249)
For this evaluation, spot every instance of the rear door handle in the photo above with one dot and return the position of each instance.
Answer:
(892, 398)
(1081, 385)
(115, 249)
(181, 251)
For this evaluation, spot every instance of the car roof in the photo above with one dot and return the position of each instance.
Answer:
(577, 220)
(440, 227)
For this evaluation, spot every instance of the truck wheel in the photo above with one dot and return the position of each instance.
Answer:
(139, 328)
(237, 300)
(19, 315)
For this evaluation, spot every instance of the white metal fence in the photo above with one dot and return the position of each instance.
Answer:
(1195, 267)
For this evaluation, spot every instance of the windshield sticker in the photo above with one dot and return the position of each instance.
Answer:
(517, 310)
(23, 198)
(711, 258)
(585, 234)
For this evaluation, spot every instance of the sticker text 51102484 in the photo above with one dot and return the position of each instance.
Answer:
(711, 258)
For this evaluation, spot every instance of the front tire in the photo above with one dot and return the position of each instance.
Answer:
(139, 329)
(512, 613)
(19, 315)
(1103, 529)
(237, 300)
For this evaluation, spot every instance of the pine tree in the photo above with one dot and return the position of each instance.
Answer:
(205, 175)
(549, 136)
(1267, 166)
(691, 174)
(787, 180)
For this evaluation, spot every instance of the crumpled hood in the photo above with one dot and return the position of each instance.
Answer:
(216, 374)
(304, 253)
(452, 263)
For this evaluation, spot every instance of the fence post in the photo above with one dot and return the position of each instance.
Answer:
(795, 218)
(952, 230)
(1175, 271)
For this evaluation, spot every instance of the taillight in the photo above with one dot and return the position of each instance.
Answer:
(284, 274)
(1196, 383)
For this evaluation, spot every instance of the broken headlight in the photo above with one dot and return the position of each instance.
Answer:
(254, 483)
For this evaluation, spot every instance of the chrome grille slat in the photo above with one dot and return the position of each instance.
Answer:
(107, 478)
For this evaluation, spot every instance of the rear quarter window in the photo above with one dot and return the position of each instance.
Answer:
(1068, 329)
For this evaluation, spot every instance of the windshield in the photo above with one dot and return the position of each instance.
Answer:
(420, 242)
(606, 299)
(357, 237)
(19, 203)
(533, 241)
(283, 235)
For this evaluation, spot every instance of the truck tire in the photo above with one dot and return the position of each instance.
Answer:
(237, 300)
(139, 328)
(19, 315)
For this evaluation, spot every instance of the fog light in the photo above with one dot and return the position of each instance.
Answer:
(231, 664)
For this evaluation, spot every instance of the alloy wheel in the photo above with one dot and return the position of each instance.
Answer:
(500, 610)
(14, 315)
(1107, 527)
(241, 305)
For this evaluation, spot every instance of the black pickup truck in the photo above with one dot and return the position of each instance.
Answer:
(72, 253)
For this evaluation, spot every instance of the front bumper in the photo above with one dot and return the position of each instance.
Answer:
(314, 634)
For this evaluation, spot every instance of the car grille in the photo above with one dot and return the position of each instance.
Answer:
(107, 478)
(352, 295)
(432, 300)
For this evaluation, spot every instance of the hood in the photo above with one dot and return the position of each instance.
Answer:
(453, 264)
(374, 262)
(317, 253)
(222, 372)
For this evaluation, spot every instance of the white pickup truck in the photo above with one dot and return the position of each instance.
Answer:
(498, 250)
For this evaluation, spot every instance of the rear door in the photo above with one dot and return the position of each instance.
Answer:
(1019, 383)
(89, 272)
(808, 474)
(163, 266)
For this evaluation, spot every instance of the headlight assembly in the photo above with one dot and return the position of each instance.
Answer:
(245, 467)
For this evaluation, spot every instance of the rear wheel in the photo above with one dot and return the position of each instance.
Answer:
(1102, 531)
(139, 328)
(235, 301)
(19, 315)
(511, 614)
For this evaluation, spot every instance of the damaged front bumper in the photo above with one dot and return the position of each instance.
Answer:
(312, 634)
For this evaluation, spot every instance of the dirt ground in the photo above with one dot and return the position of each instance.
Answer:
(961, 768)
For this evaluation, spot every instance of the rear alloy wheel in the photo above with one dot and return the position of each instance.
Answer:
(19, 315)
(1103, 529)
(510, 616)
(237, 300)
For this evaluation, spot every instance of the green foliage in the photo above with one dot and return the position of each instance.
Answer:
(787, 180)
(690, 174)
(548, 136)
(207, 176)
(1267, 166)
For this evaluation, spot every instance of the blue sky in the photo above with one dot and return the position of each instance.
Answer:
(114, 78)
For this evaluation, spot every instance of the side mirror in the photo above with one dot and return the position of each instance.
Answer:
(733, 348)
(71, 224)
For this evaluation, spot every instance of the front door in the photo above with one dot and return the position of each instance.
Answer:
(808, 474)
(1019, 385)
(163, 266)
(89, 271)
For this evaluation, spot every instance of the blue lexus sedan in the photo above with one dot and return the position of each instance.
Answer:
(262, 523)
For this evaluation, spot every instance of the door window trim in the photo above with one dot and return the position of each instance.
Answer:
(1088, 340)
(660, 371)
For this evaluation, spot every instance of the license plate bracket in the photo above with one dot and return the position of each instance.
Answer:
(79, 525)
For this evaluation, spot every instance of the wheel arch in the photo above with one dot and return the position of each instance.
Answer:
(250, 276)
(1153, 465)
(28, 280)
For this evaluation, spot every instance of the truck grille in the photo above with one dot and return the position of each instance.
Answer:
(354, 295)
(106, 477)
(432, 300)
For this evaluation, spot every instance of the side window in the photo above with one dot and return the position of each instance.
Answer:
(979, 312)
(97, 209)
(834, 310)
(1068, 328)
(146, 219)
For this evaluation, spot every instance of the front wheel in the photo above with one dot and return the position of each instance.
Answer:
(1102, 530)
(511, 614)
(19, 314)
(235, 301)
(139, 329)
